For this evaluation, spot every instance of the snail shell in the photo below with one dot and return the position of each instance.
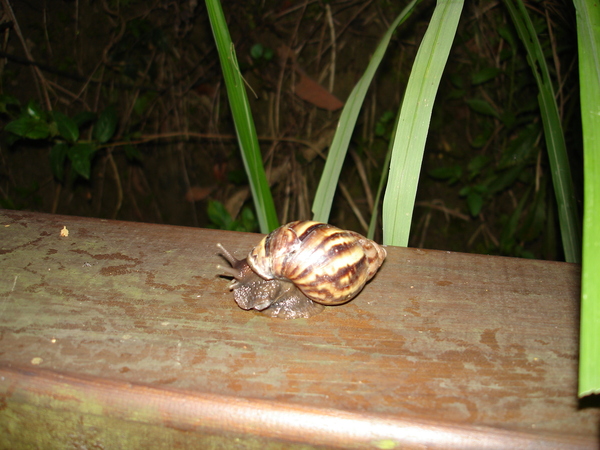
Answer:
(301, 266)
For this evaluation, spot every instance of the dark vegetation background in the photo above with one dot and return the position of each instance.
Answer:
(173, 158)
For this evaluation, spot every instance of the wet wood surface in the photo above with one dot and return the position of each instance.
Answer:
(126, 326)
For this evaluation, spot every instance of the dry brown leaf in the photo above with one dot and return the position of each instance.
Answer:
(197, 193)
(311, 91)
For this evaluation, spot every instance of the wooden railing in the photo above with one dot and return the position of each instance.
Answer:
(121, 335)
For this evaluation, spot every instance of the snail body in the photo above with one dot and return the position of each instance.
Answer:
(301, 266)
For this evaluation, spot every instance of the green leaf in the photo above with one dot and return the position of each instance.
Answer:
(66, 126)
(8, 103)
(11, 138)
(588, 38)
(242, 117)
(34, 111)
(522, 148)
(341, 140)
(454, 94)
(7, 203)
(29, 127)
(475, 203)
(479, 141)
(480, 189)
(81, 158)
(508, 119)
(450, 173)
(268, 54)
(482, 107)
(384, 124)
(257, 51)
(141, 104)
(535, 221)
(484, 75)
(504, 179)
(508, 238)
(477, 164)
(218, 215)
(457, 80)
(568, 214)
(132, 153)
(83, 118)
(381, 187)
(106, 125)
(508, 36)
(414, 120)
(58, 153)
(248, 219)
(387, 116)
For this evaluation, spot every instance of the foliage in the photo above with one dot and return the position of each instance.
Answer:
(413, 122)
(221, 219)
(488, 186)
(339, 146)
(568, 213)
(63, 132)
(501, 177)
(243, 120)
(588, 32)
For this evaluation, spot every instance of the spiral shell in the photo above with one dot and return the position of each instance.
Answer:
(328, 265)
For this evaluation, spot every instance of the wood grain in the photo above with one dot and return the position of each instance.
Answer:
(470, 344)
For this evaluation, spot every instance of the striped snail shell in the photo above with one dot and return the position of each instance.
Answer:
(301, 266)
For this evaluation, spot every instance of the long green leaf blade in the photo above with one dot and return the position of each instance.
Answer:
(570, 224)
(242, 116)
(381, 187)
(588, 36)
(339, 146)
(409, 142)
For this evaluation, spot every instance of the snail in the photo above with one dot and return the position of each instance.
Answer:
(300, 267)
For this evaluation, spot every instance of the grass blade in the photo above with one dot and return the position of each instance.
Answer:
(242, 116)
(339, 147)
(570, 224)
(588, 36)
(413, 122)
(381, 187)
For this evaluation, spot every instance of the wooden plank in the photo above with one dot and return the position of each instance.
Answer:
(248, 421)
(473, 345)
